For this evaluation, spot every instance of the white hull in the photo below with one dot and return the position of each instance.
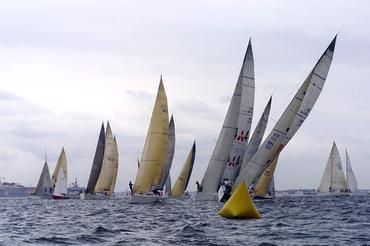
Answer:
(205, 196)
(146, 198)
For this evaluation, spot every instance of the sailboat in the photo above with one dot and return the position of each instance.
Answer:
(226, 187)
(60, 190)
(106, 182)
(44, 187)
(290, 121)
(265, 187)
(61, 164)
(351, 179)
(333, 181)
(182, 181)
(221, 153)
(170, 154)
(153, 159)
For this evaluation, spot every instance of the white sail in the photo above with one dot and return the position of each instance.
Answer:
(351, 179)
(62, 163)
(290, 121)
(245, 117)
(257, 136)
(219, 158)
(60, 189)
(44, 185)
(333, 179)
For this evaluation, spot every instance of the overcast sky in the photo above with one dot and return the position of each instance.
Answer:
(66, 66)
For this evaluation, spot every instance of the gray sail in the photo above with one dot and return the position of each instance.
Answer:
(44, 185)
(193, 150)
(171, 151)
(257, 136)
(97, 163)
(291, 120)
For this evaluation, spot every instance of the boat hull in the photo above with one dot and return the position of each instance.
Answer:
(57, 197)
(205, 196)
(334, 194)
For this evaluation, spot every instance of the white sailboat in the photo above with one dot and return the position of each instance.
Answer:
(44, 187)
(351, 179)
(333, 181)
(60, 190)
(290, 121)
(155, 154)
(216, 166)
(61, 164)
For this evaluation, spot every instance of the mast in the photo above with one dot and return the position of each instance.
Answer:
(244, 122)
(98, 161)
(291, 120)
(156, 146)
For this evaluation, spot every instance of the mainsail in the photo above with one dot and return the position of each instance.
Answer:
(108, 174)
(156, 146)
(219, 158)
(262, 188)
(245, 116)
(97, 163)
(61, 164)
(171, 151)
(184, 177)
(290, 121)
(257, 136)
(351, 179)
(44, 185)
(333, 179)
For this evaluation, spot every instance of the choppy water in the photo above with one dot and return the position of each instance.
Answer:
(285, 221)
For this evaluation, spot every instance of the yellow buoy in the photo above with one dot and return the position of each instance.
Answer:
(240, 205)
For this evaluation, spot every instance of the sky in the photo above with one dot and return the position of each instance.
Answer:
(67, 66)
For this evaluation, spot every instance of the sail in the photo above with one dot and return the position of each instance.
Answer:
(257, 136)
(167, 186)
(44, 184)
(184, 177)
(61, 164)
(171, 151)
(351, 179)
(61, 184)
(110, 161)
(244, 122)
(156, 146)
(98, 161)
(115, 165)
(290, 121)
(219, 158)
(333, 178)
(262, 188)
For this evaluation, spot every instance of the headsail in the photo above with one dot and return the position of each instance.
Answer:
(290, 121)
(257, 136)
(333, 178)
(219, 158)
(245, 115)
(351, 179)
(97, 163)
(44, 185)
(184, 177)
(167, 185)
(171, 151)
(156, 146)
(61, 164)
(108, 171)
(263, 185)
(61, 184)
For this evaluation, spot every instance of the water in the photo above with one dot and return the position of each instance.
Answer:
(285, 221)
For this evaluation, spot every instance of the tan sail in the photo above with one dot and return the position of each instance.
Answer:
(183, 179)
(62, 163)
(109, 166)
(263, 184)
(156, 146)
(115, 166)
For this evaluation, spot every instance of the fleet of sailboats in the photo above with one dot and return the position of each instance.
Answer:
(237, 160)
